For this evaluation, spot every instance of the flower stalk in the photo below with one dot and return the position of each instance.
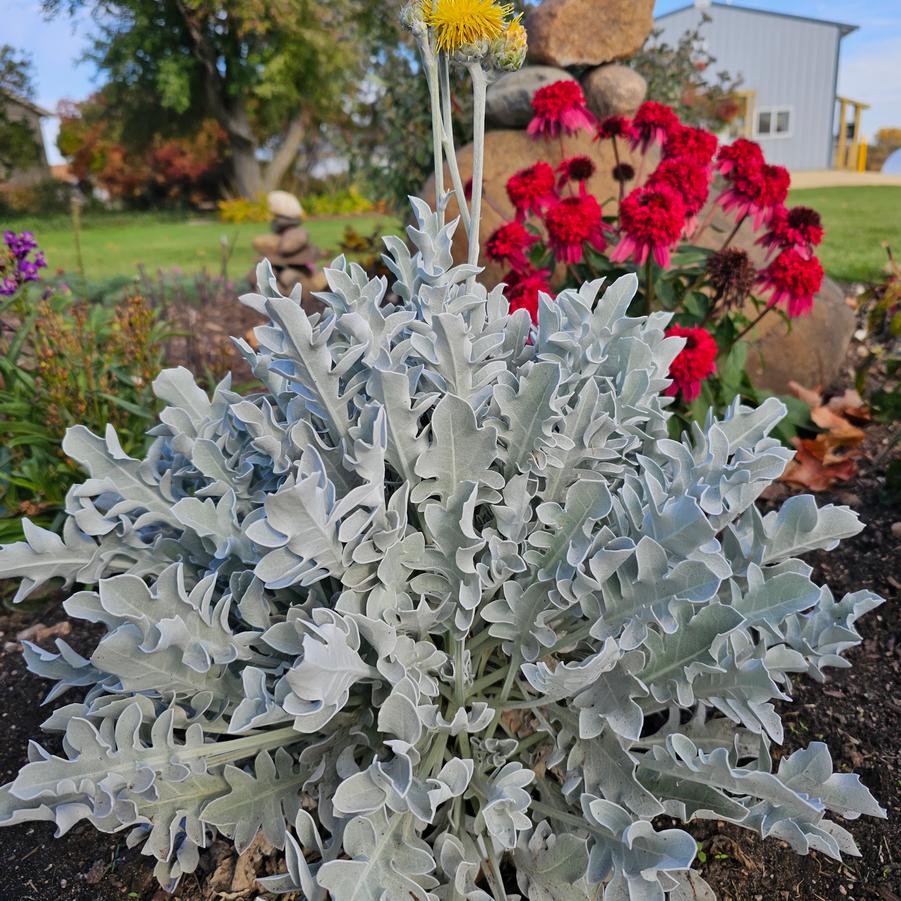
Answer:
(450, 150)
(479, 96)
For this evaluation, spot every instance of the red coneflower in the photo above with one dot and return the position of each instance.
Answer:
(532, 189)
(695, 362)
(694, 144)
(793, 277)
(571, 223)
(741, 155)
(756, 192)
(510, 242)
(689, 180)
(799, 227)
(559, 106)
(652, 124)
(614, 127)
(578, 169)
(651, 220)
(523, 288)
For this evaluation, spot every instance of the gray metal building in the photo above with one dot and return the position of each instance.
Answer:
(789, 66)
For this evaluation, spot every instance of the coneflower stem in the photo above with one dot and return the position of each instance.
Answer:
(734, 232)
(751, 325)
(479, 93)
(648, 285)
(622, 184)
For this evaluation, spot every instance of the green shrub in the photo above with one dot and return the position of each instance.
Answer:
(239, 210)
(64, 360)
(49, 196)
(337, 203)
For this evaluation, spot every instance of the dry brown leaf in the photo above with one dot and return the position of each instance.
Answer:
(809, 471)
(810, 397)
(850, 404)
(247, 866)
(38, 631)
(838, 431)
(514, 719)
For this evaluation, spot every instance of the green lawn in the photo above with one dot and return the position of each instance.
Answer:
(116, 244)
(857, 221)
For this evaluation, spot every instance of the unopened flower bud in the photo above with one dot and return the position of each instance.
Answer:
(508, 52)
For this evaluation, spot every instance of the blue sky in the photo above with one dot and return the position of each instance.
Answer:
(870, 60)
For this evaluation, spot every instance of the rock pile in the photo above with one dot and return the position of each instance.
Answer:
(577, 40)
(587, 32)
(287, 246)
(588, 36)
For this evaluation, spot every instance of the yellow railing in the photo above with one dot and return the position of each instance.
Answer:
(848, 155)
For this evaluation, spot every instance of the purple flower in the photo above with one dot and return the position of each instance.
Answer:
(21, 262)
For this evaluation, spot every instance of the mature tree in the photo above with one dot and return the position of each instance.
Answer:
(166, 169)
(886, 141)
(19, 146)
(683, 77)
(268, 71)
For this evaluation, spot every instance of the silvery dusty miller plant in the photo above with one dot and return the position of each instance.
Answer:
(442, 600)
(437, 597)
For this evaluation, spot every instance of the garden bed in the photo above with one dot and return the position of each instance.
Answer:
(857, 712)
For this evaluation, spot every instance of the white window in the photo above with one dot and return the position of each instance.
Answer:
(773, 122)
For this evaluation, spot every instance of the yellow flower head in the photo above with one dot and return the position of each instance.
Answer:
(458, 23)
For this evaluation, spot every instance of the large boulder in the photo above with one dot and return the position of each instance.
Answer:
(587, 32)
(614, 90)
(813, 350)
(510, 97)
(506, 152)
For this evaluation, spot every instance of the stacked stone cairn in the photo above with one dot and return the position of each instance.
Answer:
(287, 246)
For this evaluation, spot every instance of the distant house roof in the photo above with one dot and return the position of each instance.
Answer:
(25, 102)
(843, 27)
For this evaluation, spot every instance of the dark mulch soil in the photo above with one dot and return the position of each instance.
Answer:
(857, 712)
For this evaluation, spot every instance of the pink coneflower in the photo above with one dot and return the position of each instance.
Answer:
(523, 288)
(695, 362)
(651, 220)
(653, 123)
(578, 169)
(532, 189)
(694, 144)
(510, 242)
(798, 227)
(559, 106)
(573, 222)
(689, 180)
(793, 277)
(756, 192)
